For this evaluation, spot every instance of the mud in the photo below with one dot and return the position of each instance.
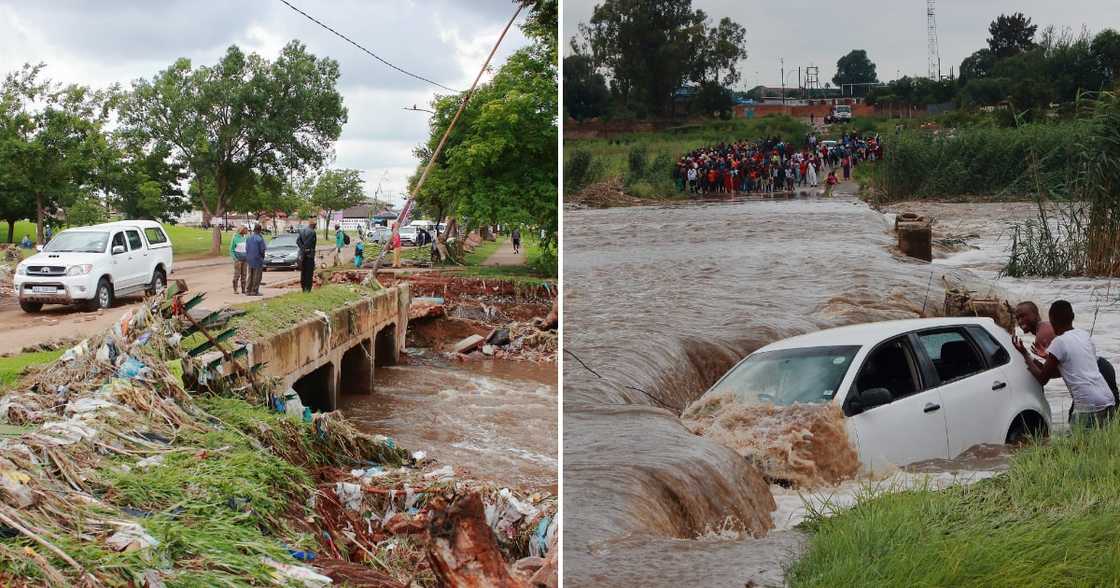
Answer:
(803, 446)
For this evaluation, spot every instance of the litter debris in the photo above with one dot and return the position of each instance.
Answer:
(131, 537)
(467, 345)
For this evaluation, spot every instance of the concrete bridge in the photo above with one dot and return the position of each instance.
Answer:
(322, 356)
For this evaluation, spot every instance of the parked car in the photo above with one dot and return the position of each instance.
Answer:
(282, 253)
(378, 234)
(910, 390)
(408, 235)
(94, 265)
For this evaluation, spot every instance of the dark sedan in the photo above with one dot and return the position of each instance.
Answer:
(281, 253)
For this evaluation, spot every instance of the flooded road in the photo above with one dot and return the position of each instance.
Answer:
(489, 420)
(660, 301)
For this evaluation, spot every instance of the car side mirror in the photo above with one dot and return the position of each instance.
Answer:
(870, 398)
(118, 249)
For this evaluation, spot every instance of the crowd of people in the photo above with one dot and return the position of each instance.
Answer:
(772, 165)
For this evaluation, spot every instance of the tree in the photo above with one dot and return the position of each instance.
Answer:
(499, 164)
(1106, 49)
(725, 46)
(144, 181)
(1011, 35)
(585, 90)
(337, 189)
(713, 99)
(648, 47)
(53, 139)
(241, 120)
(855, 68)
(977, 66)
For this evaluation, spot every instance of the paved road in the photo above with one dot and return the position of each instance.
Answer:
(211, 275)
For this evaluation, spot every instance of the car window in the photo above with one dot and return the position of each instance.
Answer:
(893, 366)
(786, 376)
(134, 240)
(118, 239)
(996, 353)
(155, 235)
(953, 355)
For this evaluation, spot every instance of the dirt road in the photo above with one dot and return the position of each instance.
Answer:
(505, 255)
(213, 276)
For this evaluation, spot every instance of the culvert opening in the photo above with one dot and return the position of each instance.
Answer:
(356, 376)
(314, 389)
(386, 346)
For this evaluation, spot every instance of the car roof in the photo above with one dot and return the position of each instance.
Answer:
(872, 333)
(147, 224)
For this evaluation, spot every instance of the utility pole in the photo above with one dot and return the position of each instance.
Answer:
(931, 33)
(782, 72)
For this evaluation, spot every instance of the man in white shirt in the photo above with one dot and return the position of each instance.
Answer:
(1073, 356)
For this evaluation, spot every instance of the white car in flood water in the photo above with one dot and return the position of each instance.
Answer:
(910, 390)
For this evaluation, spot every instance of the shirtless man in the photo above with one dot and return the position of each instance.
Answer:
(1072, 355)
(1026, 315)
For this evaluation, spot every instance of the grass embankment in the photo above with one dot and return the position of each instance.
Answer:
(272, 315)
(12, 367)
(1051, 520)
(990, 162)
(644, 161)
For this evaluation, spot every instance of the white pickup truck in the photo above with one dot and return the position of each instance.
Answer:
(94, 265)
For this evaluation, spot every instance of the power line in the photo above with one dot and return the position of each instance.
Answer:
(371, 53)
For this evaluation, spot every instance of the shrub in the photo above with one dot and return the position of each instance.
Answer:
(578, 170)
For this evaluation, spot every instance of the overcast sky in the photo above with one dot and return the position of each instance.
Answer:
(102, 42)
(818, 32)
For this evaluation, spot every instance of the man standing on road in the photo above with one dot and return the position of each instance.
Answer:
(254, 258)
(305, 242)
(1073, 356)
(515, 236)
(237, 252)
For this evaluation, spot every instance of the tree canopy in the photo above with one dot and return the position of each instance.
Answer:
(855, 68)
(1011, 35)
(585, 90)
(649, 48)
(241, 121)
(500, 162)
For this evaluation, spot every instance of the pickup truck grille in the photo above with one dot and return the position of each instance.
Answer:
(46, 270)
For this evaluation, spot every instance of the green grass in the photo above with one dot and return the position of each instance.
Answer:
(11, 367)
(276, 314)
(188, 242)
(1051, 520)
(483, 252)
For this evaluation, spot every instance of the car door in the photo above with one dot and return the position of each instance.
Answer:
(122, 263)
(974, 393)
(141, 257)
(912, 426)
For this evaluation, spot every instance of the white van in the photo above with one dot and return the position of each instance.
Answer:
(94, 265)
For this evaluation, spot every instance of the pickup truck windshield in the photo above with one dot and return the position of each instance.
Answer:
(78, 241)
(786, 376)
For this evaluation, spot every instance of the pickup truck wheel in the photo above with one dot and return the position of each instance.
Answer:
(28, 306)
(159, 283)
(103, 296)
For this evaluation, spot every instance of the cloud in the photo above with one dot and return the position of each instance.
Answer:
(117, 41)
(817, 32)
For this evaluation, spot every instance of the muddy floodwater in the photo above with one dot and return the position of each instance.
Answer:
(489, 420)
(660, 301)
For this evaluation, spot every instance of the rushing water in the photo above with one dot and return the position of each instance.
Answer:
(660, 301)
(490, 420)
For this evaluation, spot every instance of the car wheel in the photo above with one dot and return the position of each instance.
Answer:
(159, 283)
(28, 306)
(103, 296)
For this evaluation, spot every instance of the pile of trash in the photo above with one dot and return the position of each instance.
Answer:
(134, 460)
